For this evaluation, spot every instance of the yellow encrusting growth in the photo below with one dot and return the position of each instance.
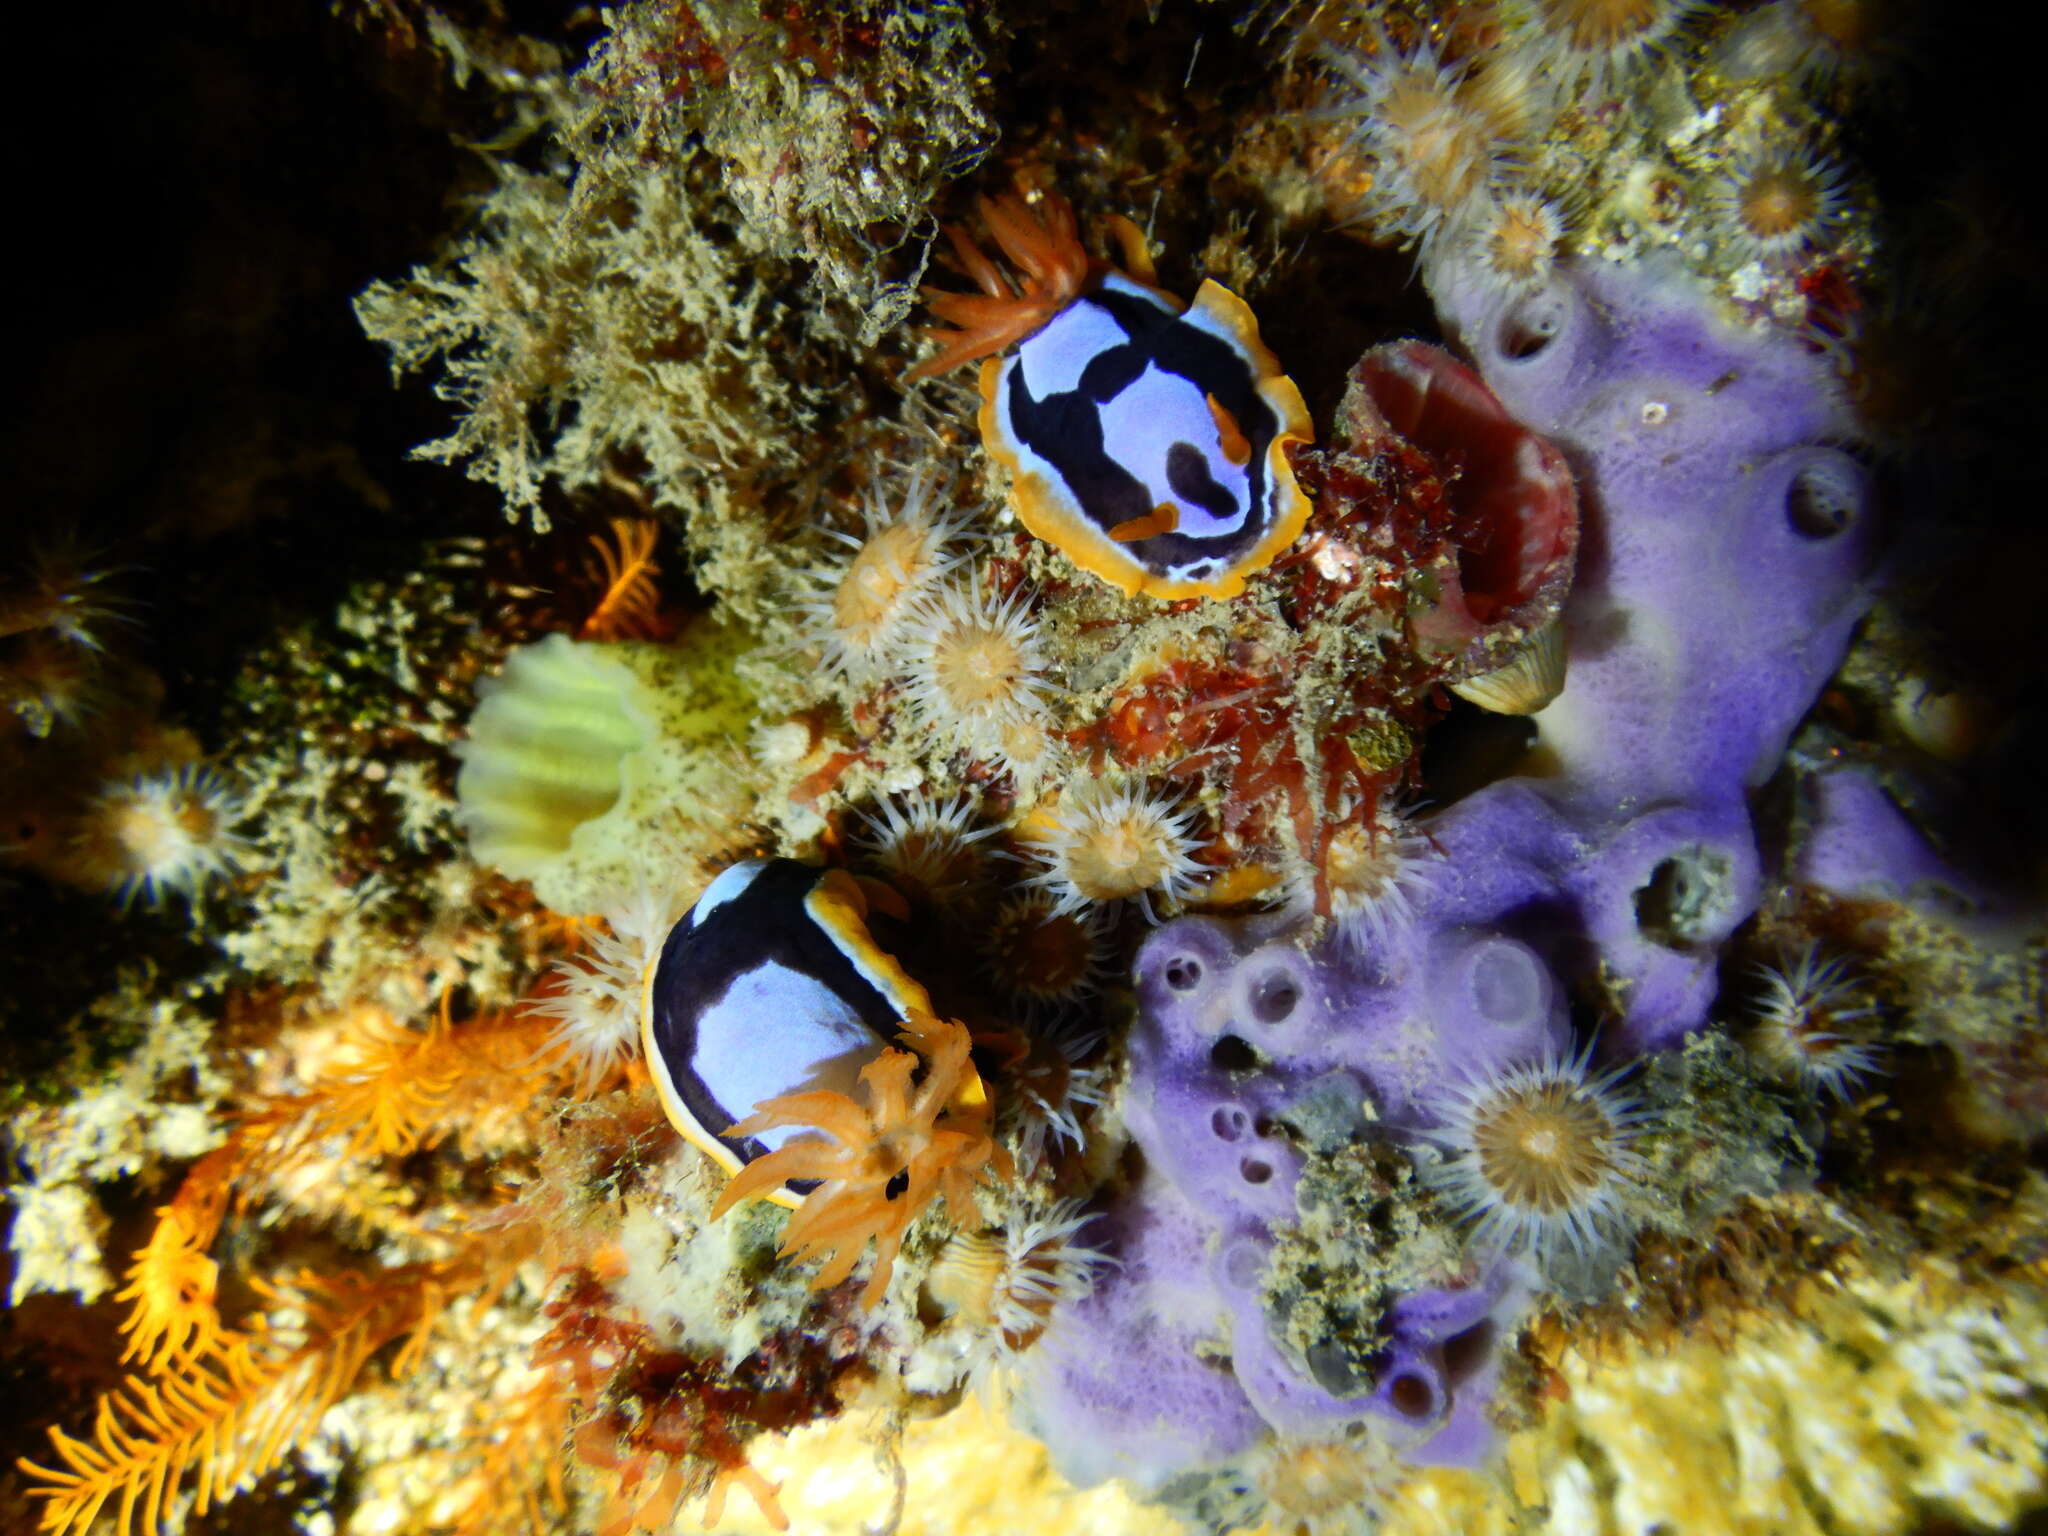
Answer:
(1886, 1406)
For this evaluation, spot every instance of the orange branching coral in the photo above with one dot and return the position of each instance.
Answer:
(172, 1282)
(1043, 243)
(388, 1089)
(881, 1163)
(624, 569)
(216, 1405)
(392, 1091)
(233, 1408)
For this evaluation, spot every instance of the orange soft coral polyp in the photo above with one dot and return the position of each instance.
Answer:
(879, 1164)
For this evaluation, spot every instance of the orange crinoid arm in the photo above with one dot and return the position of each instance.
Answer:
(881, 1159)
(1042, 243)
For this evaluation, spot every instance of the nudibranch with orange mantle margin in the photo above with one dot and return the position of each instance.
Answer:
(1147, 439)
(771, 984)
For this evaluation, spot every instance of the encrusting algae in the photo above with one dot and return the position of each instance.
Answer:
(1403, 896)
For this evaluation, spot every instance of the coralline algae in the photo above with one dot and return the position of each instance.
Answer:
(1727, 543)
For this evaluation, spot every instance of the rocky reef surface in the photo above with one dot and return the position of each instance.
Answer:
(1404, 898)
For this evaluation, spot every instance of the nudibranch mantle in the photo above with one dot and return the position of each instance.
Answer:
(1148, 441)
(770, 985)
(1150, 444)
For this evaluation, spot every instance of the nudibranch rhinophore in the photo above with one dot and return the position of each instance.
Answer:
(770, 985)
(1147, 439)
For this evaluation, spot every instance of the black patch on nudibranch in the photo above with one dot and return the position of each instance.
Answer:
(1065, 429)
(767, 923)
(1187, 471)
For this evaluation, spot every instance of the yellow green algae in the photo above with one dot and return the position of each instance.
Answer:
(661, 264)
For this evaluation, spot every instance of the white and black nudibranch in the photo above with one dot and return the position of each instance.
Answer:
(1150, 444)
(770, 985)
(1148, 440)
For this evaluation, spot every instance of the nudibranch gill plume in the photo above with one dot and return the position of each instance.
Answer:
(1148, 440)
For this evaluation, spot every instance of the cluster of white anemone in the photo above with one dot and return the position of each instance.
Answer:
(1375, 870)
(1777, 201)
(1111, 840)
(974, 676)
(1001, 1290)
(1447, 173)
(1453, 148)
(860, 615)
(905, 605)
(970, 674)
(1811, 1025)
(596, 998)
(927, 847)
(1433, 149)
(1044, 959)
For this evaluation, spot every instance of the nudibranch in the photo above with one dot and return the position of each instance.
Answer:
(771, 984)
(1146, 439)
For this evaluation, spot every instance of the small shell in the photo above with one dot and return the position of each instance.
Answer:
(1529, 681)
